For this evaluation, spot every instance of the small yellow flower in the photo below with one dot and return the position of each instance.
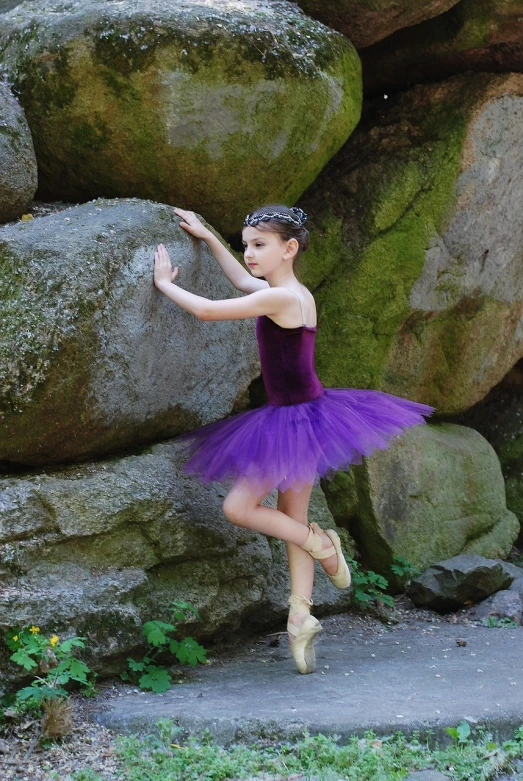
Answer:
(54, 640)
(15, 638)
(34, 629)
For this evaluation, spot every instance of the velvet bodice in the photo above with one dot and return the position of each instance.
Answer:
(287, 362)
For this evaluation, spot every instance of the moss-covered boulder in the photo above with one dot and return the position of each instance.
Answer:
(437, 492)
(18, 173)
(417, 238)
(93, 358)
(499, 418)
(480, 35)
(98, 549)
(216, 107)
(365, 23)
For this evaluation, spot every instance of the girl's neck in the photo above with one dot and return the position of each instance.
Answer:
(281, 278)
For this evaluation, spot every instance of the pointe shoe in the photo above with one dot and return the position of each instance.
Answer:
(302, 648)
(313, 545)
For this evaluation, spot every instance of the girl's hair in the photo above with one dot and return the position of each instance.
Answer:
(287, 222)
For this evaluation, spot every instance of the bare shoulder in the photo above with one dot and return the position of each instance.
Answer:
(252, 285)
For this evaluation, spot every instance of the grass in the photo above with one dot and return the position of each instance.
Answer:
(165, 757)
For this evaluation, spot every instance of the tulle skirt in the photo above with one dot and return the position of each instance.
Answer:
(292, 445)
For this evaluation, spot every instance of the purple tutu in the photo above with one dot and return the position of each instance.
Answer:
(290, 445)
(305, 431)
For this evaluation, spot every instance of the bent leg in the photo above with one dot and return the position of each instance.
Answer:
(242, 507)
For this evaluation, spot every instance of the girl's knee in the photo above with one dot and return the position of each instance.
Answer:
(234, 510)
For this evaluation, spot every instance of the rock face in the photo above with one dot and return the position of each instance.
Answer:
(93, 358)
(100, 548)
(181, 102)
(437, 492)
(365, 23)
(18, 173)
(419, 285)
(481, 35)
(448, 585)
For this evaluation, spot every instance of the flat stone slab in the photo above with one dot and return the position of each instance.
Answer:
(409, 677)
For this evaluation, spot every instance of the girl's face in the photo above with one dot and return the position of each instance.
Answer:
(263, 251)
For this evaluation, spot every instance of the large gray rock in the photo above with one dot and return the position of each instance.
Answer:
(517, 585)
(418, 282)
(217, 106)
(93, 358)
(448, 585)
(100, 548)
(18, 172)
(503, 604)
(436, 492)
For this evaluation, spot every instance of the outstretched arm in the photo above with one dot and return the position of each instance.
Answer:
(233, 270)
(269, 301)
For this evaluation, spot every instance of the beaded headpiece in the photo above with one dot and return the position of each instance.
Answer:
(297, 218)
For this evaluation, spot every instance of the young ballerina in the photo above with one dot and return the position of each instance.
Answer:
(304, 431)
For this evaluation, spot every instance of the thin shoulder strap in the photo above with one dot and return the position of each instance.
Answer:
(301, 306)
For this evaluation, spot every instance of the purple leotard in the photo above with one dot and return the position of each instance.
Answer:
(305, 431)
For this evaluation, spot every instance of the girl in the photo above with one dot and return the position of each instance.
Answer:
(305, 431)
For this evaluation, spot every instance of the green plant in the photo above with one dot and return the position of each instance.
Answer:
(368, 585)
(493, 622)
(461, 733)
(404, 568)
(168, 755)
(54, 666)
(147, 673)
(52, 662)
(515, 745)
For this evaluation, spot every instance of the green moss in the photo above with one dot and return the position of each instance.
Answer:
(15, 136)
(92, 136)
(324, 252)
(364, 302)
(514, 490)
(511, 457)
(297, 45)
(468, 25)
(122, 87)
(45, 84)
(436, 353)
(342, 497)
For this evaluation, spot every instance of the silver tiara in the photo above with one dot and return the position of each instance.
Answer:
(298, 217)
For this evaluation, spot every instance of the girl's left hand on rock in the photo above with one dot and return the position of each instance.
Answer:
(163, 270)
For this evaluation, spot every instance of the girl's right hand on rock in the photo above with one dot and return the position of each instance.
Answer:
(191, 223)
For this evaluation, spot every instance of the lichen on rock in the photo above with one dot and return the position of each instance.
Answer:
(93, 358)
